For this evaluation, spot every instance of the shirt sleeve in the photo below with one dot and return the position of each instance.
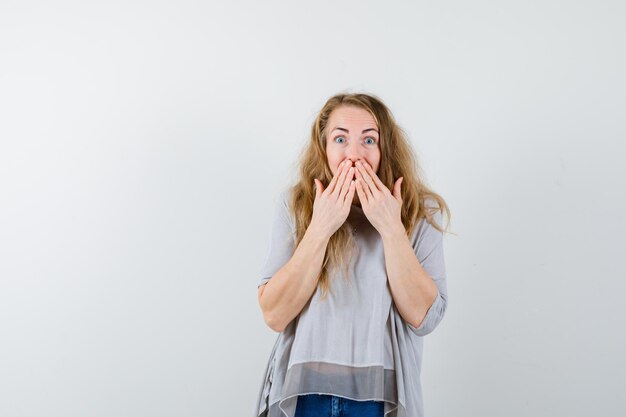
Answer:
(428, 247)
(281, 240)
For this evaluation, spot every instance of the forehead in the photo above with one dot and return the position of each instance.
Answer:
(346, 116)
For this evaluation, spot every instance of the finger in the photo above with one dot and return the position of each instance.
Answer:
(368, 191)
(333, 181)
(350, 195)
(367, 179)
(317, 186)
(340, 180)
(361, 191)
(375, 178)
(364, 183)
(346, 183)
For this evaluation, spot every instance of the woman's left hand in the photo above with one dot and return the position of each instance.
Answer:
(381, 207)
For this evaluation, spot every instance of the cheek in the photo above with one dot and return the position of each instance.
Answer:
(377, 162)
(333, 166)
(333, 163)
(374, 161)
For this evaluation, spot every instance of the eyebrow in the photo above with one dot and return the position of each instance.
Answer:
(347, 131)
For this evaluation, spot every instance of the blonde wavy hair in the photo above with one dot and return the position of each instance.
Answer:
(397, 160)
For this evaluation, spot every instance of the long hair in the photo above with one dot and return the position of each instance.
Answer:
(397, 160)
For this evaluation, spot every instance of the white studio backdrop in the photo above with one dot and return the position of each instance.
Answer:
(143, 144)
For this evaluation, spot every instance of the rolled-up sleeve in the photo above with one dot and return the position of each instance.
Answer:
(281, 240)
(428, 246)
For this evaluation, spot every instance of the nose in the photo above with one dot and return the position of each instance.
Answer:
(353, 160)
(354, 154)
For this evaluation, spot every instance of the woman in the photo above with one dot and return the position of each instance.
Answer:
(354, 276)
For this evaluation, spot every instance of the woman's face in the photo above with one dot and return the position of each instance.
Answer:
(352, 135)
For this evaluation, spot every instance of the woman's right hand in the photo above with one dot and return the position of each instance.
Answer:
(332, 205)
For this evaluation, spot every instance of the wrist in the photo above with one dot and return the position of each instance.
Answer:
(396, 232)
(318, 232)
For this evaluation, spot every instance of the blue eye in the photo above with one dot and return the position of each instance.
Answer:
(369, 137)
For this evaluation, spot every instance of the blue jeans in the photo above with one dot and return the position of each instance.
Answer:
(323, 405)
